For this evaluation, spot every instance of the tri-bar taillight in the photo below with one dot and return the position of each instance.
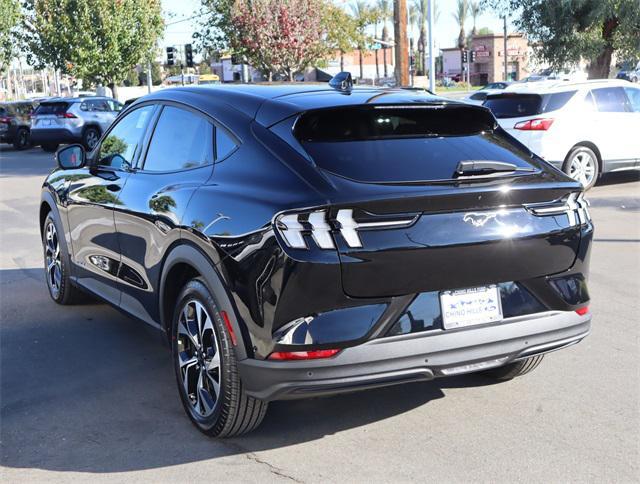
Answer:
(537, 124)
(296, 228)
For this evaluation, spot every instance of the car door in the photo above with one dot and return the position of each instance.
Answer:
(633, 95)
(179, 159)
(613, 123)
(91, 195)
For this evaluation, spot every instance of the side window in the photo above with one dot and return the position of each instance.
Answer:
(557, 101)
(589, 104)
(634, 98)
(118, 149)
(224, 143)
(181, 140)
(101, 105)
(114, 105)
(610, 99)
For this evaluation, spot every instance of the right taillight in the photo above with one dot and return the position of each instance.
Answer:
(538, 124)
(295, 228)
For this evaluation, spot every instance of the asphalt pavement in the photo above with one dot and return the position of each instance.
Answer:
(89, 394)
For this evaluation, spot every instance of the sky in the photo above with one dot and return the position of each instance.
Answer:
(446, 30)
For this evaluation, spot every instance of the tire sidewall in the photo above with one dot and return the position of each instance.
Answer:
(64, 259)
(86, 134)
(197, 290)
(19, 146)
(567, 164)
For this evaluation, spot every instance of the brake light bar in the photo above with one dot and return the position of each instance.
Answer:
(317, 224)
(302, 355)
(538, 124)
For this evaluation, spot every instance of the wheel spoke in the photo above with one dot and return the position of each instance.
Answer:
(214, 363)
(214, 384)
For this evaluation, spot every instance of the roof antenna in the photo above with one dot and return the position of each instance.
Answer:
(342, 81)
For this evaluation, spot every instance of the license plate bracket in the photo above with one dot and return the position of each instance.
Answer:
(469, 307)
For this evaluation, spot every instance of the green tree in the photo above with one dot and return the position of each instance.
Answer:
(475, 9)
(564, 32)
(97, 40)
(9, 19)
(341, 31)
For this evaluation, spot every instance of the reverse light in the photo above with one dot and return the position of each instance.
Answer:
(538, 124)
(582, 311)
(302, 355)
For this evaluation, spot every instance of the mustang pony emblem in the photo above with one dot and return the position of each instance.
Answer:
(479, 219)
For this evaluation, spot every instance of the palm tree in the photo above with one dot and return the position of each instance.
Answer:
(475, 9)
(384, 8)
(422, 6)
(363, 14)
(413, 20)
(376, 15)
(461, 18)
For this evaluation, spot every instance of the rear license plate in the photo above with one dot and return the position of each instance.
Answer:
(468, 307)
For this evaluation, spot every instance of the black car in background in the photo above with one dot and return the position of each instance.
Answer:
(300, 241)
(15, 123)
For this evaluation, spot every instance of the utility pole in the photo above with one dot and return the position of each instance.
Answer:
(400, 37)
(506, 55)
(432, 61)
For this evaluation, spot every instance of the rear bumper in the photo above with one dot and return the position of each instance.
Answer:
(57, 135)
(415, 357)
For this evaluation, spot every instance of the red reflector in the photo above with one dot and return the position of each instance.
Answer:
(302, 355)
(227, 323)
(538, 124)
(582, 311)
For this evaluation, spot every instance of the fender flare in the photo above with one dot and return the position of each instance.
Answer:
(186, 253)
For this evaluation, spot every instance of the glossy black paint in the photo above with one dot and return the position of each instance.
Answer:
(134, 235)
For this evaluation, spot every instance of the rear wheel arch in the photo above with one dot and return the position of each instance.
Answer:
(592, 147)
(183, 263)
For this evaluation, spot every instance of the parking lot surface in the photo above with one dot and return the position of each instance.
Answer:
(87, 393)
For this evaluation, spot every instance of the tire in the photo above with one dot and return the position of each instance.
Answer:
(90, 138)
(50, 147)
(56, 264)
(512, 370)
(204, 356)
(22, 141)
(582, 164)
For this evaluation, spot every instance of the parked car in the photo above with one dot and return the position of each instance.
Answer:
(585, 129)
(629, 73)
(479, 96)
(72, 120)
(15, 125)
(292, 241)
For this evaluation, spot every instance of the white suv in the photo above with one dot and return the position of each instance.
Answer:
(584, 128)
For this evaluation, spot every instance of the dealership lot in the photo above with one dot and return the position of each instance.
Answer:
(87, 392)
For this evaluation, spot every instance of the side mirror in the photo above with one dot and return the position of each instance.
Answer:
(70, 157)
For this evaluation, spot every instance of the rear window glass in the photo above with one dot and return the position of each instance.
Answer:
(514, 105)
(52, 108)
(395, 145)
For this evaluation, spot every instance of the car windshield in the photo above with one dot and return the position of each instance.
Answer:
(395, 144)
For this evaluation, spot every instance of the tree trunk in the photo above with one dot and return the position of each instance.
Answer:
(599, 68)
(422, 47)
(360, 59)
(375, 36)
(342, 61)
(114, 89)
(384, 50)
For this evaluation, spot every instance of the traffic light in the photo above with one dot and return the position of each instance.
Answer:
(473, 56)
(171, 52)
(465, 56)
(188, 55)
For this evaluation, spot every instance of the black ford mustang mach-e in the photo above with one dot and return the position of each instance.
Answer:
(297, 241)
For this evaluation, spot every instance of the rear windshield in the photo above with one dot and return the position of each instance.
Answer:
(52, 108)
(512, 105)
(403, 144)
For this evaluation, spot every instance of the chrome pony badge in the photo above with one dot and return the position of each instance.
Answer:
(479, 219)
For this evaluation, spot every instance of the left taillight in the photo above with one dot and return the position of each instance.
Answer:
(538, 124)
(67, 115)
(295, 228)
